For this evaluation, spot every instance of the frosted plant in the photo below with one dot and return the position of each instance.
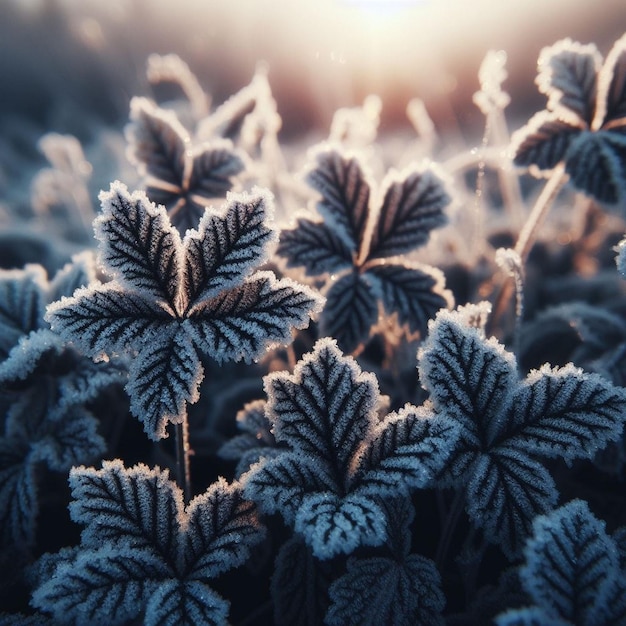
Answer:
(342, 458)
(143, 554)
(45, 387)
(571, 572)
(172, 300)
(508, 426)
(583, 125)
(357, 247)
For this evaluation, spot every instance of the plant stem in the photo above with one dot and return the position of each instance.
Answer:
(528, 235)
(183, 475)
(449, 527)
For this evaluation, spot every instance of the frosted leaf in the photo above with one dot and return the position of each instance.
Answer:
(384, 591)
(563, 413)
(239, 323)
(137, 506)
(213, 165)
(415, 292)
(21, 304)
(345, 193)
(543, 142)
(571, 565)
(299, 585)
(105, 318)
(491, 75)
(157, 143)
(350, 312)
(163, 378)
(68, 441)
(596, 163)
(568, 76)
(225, 249)
(413, 205)
(79, 273)
(189, 603)
(332, 525)
(469, 377)
(316, 246)
(138, 245)
(105, 586)
(504, 492)
(611, 107)
(325, 408)
(408, 448)
(18, 494)
(221, 530)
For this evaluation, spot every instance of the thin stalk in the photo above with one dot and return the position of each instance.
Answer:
(452, 520)
(183, 474)
(528, 236)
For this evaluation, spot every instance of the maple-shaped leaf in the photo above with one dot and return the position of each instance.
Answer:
(183, 177)
(172, 300)
(341, 457)
(352, 246)
(571, 571)
(398, 590)
(508, 426)
(584, 121)
(142, 553)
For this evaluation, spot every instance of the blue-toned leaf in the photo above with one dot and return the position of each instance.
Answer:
(21, 304)
(164, 377)
(596, 164)
(413, 205)
(226, 248)
(469, 378)
(299, 586)
(103, 319)
(157, 145)
(563, 413)
(18, 494)
(543, 142)
(332, 525)
(507, 489)
(213, 166)
(20, 619)
(185, 603)
(222, 528)
(406, 450)
(528, 616)
(240, 323)
(138, 244)
(384, 591)
(70, 440)
(105, 586)
(350, 312)
(281, 483)
(79, 273)
(611, 109)
(345, 194)
(137, 507)
(568, 76)
(326, 408)
(316, 246)
(571, 564)
(414, 292)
